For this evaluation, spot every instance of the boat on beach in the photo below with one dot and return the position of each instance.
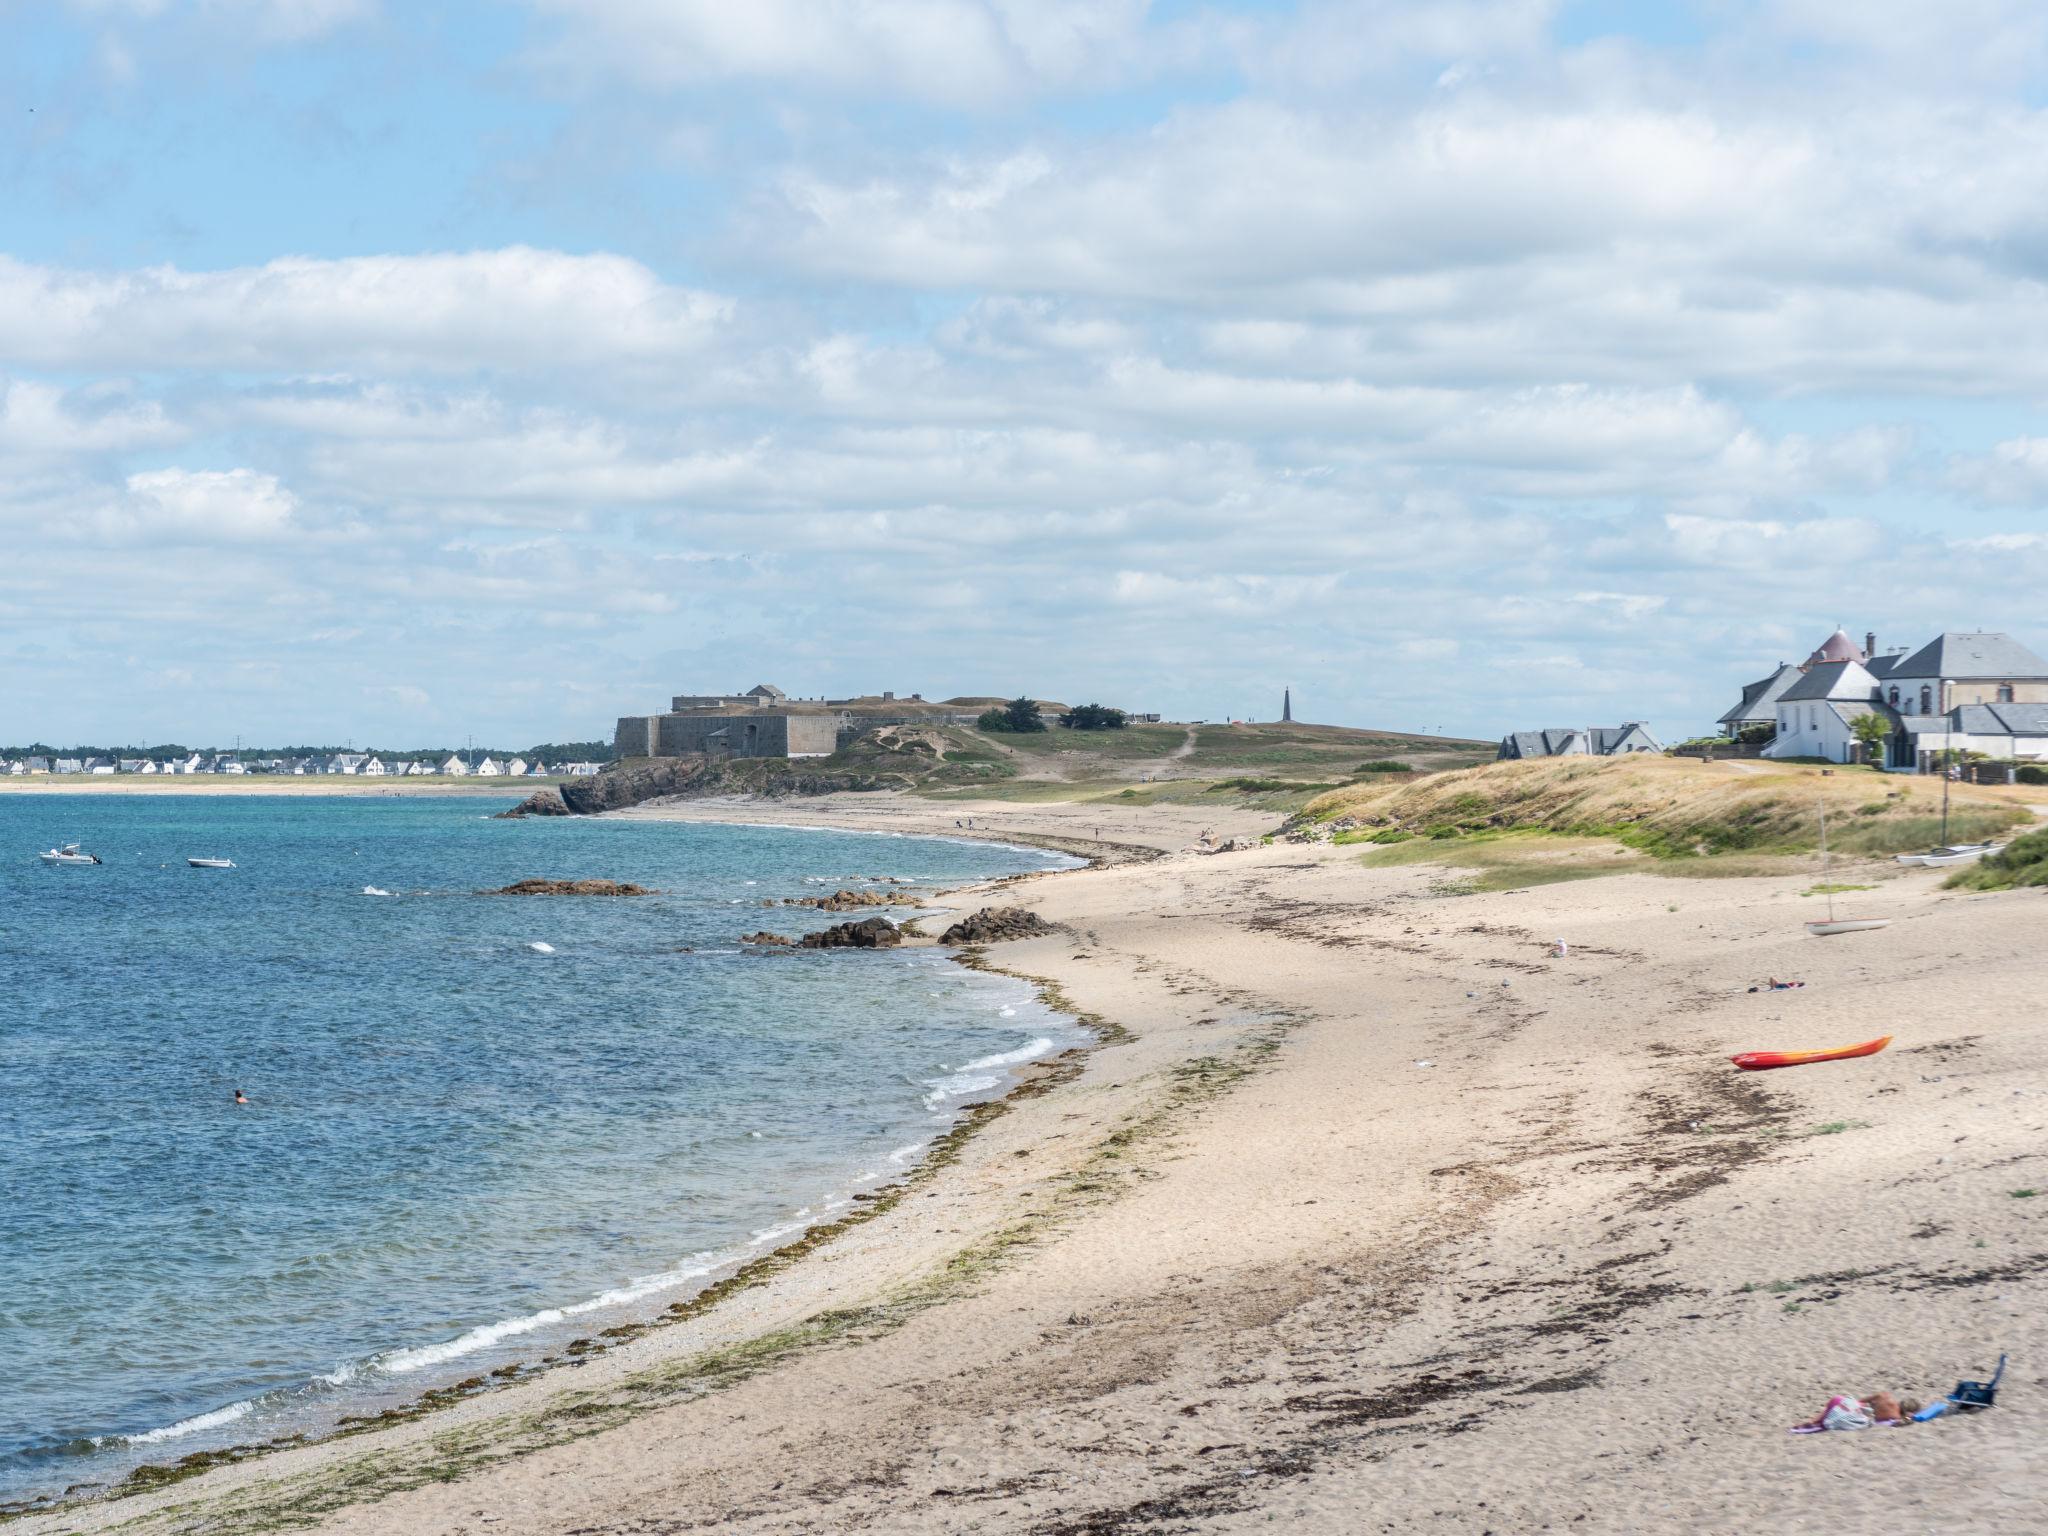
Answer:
(1832, 924)
(1758, 1061)
(211, 863)
(1959, 853)
(68, 855)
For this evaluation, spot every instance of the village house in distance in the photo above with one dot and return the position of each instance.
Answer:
(1579, 741)
(1970, 691)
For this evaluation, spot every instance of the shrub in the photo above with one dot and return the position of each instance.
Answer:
(2032, 773)
(2023, 861)
(1093, 717)
(1021, 714)
(1383, 765)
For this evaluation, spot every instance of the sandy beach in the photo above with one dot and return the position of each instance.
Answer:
(1368, 1213)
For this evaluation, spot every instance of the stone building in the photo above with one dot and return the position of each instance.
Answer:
(766, 722)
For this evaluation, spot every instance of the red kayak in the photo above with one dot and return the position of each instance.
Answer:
(1757, 1061)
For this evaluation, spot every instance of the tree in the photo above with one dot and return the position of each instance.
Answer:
(1093, 717)
(1870, 732)
(992, 720)
(1023, 714)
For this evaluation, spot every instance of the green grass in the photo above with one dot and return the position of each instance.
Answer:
(2022, 862)
(1834, 1128)
(2024, 1194)
(1834, 889)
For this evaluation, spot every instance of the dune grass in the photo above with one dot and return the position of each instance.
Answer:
(1669, 808)
(2023, 861)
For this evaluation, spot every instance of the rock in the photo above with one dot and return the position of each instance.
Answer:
(571, 888)
(868, 933)
(764, 937)
(851, 901)
(992, 925)
(542, 802)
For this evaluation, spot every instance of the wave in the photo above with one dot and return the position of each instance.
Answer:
(982, 1075)
(198, 1424)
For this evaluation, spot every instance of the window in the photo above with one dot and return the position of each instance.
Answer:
(1893, 697)
(1926, 700)
(2005, 693)
(1813, 717)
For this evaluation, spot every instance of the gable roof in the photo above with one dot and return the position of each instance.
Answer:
(766, 691)
(1831, 680)
(1885, 665)
(1760, 698)
(1972, 653)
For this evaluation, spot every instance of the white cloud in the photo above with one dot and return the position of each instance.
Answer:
(511, 308)
(208, 505)
(967, 53)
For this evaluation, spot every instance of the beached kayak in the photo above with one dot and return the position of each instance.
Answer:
(1756, 1061)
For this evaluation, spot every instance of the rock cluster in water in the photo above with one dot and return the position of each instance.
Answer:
(768, 940)
(992, 925)
(851, 901)
(868, 933)
(572, 888)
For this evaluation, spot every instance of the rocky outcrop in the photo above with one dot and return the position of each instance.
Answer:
(767, 940)
(571, 888)
(542, 802)
(868, 933)
(851, 901)
(992, 925)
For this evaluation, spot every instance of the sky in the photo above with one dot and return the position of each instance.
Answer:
(401, 374)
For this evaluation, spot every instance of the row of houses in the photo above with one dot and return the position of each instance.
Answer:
(346, 764)
(1970, 692)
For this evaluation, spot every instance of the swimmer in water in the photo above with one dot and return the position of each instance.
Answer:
(241, 1097)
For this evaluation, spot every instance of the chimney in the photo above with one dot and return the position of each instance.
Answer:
(1869, 644)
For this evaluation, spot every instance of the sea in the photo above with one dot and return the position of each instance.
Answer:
(477, 1126)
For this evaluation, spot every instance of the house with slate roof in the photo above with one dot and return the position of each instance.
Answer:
(1967, 690)
(1580, 741)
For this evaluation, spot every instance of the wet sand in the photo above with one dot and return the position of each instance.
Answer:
(1368, 1214)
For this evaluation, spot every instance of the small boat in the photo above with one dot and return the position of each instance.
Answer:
(1847, 925)
(68, 854)
(211, 863)
(1832, 923)
(1758, 1061)
(1941, 858)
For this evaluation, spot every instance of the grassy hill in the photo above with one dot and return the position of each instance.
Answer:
(1666, 807)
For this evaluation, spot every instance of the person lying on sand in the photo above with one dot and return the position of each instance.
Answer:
(1779, 986)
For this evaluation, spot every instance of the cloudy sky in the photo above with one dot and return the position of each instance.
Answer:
(401, 373)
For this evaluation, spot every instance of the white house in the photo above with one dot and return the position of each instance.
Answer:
(516, 768)
(67, 765)
(1587, 741)
(1974, 691)
(455, 767)
(582, 770)
(490, 768)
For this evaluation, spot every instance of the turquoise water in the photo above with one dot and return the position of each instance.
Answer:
(459, 1150)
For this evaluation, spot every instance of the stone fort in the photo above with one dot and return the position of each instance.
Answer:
(766, 722)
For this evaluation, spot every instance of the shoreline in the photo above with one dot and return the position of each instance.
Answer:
(863, 1199)
(1358, 1176)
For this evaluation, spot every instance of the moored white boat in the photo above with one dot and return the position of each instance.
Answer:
(1847, 925)
(1941, 858)
(1953, 853)
(211, 863)
(68, 854)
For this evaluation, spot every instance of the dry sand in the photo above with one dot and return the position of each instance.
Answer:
(1370, 1215)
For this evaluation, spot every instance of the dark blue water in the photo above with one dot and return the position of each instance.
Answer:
(458, 1149)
